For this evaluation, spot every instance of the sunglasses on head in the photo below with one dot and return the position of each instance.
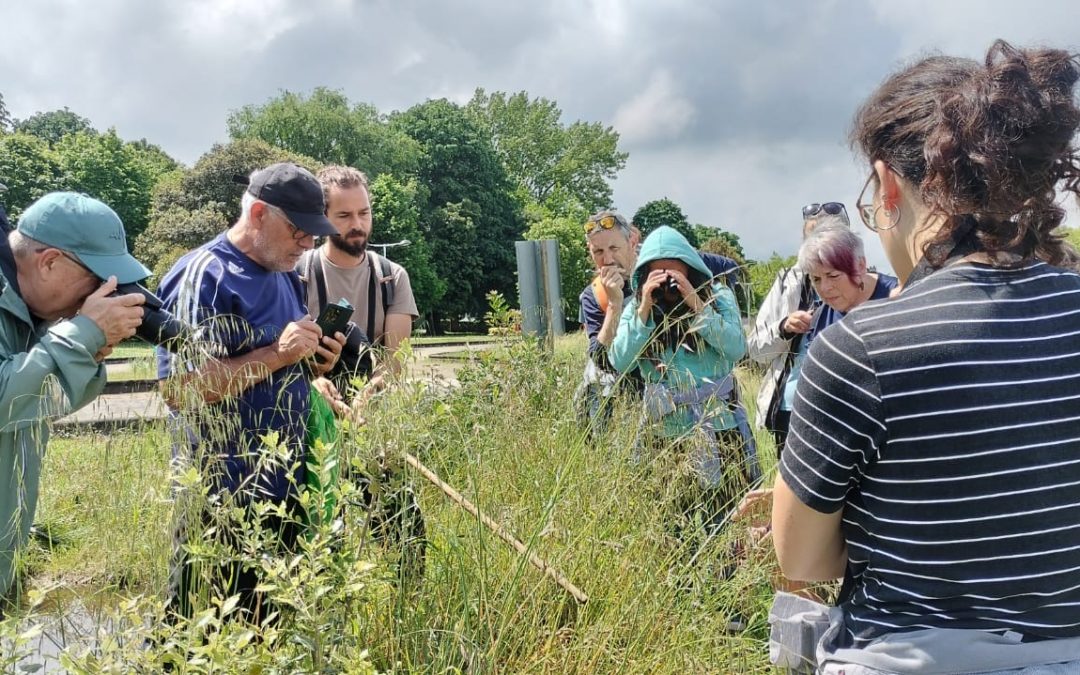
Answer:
(831, 208)
(604, 223)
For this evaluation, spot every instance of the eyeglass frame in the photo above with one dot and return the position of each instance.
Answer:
(278, 211)
(811, 210)
(867, 212)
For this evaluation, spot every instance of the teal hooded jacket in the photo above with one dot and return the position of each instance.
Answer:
(720, 342)
(46, 371)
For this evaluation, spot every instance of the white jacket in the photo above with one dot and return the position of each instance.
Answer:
(766, 345)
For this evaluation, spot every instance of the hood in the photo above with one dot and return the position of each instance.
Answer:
(668, 243)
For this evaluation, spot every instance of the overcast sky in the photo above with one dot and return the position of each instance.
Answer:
(738, 111)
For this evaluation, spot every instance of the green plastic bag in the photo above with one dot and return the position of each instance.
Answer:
(321, 426)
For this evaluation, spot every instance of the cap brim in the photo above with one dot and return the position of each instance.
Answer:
(313, 223)
(124, 267)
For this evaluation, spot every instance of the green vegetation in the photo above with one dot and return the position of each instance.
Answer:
(508, 440)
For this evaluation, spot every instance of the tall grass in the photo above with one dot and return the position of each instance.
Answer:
(508, 440)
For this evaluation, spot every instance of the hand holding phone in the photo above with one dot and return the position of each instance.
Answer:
(334, 318)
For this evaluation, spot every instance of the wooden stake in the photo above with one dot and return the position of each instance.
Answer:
(537, 562)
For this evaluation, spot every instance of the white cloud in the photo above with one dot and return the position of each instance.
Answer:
(659, 112)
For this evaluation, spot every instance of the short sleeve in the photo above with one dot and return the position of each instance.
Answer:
(837, 425)
(404, 302)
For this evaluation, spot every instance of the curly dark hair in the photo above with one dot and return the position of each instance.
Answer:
(986, 145)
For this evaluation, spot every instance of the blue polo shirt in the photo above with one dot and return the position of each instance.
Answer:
(239, 306)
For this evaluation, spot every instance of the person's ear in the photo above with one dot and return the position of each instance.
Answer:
(888, 185)
(634, 237)
(860, 267)
(257, 214)
(47, 260)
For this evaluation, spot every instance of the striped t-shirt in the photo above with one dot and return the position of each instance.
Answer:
(946, 424)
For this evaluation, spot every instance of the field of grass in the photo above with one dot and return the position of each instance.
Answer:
(508, 440)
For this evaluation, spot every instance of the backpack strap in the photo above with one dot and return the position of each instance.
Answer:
(387, 281)
(314, 272)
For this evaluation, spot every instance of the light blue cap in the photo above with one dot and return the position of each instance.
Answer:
(86, 228)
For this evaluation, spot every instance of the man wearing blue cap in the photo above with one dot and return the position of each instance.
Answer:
(58, 322)
(246, 382)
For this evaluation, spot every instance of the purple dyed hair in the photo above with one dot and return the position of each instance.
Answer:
(832, 246)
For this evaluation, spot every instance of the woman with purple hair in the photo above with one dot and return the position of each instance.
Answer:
(832, 258)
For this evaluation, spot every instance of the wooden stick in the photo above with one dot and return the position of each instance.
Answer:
(464, 503)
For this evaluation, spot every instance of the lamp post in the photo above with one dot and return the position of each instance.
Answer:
(403, 242)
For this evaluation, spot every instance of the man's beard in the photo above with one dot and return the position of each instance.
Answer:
(343, 244)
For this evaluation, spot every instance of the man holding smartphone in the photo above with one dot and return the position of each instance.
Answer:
(377, 289)
(242, 387)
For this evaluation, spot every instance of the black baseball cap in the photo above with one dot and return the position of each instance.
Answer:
(297, 192)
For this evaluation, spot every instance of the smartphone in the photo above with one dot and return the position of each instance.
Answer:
(334, 318)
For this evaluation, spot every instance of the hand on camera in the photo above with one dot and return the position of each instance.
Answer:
(117, 316)
(299, 340)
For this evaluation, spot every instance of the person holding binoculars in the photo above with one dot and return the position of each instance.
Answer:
(682, 334)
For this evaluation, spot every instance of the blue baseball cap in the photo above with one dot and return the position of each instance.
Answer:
(86, 228)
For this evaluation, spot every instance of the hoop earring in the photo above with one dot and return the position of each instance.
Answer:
(894, 220)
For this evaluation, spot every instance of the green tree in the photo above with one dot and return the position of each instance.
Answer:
(763, 274)
(103, 166)
(395, 210)
(156, 162)
(53, 125)
(6, 121)
(326, 127)
(211, 181)
(470, 219)
(575, 266)
(1072, 235)
(704, 233)
(173, 232)
(191, 206)
(721, 245)
(29, 169)
(664, 212)
(560, 167)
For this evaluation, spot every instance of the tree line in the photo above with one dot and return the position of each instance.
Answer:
(460, 182)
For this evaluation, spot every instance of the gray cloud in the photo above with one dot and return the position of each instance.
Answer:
(737, 111)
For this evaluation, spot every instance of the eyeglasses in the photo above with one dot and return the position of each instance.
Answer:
(868, 211)
(604, 223)
(297, 233)
(831, 208)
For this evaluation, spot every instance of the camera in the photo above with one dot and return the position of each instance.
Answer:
(158, 326)
(668, 290)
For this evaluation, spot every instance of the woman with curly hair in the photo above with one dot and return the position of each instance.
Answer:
(933, 458)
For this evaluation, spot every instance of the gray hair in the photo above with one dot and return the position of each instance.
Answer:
(22, 245)
(248, 200)
(621, 224)
(834, 246)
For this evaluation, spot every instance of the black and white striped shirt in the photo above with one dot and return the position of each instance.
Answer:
(946, 424)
